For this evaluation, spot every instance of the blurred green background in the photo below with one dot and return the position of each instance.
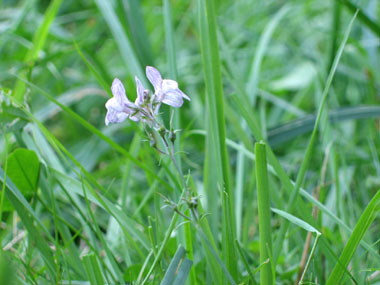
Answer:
(275, 57)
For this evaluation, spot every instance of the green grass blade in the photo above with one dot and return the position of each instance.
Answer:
(365, 220)
(245, 262)
(262, 47)
(251, 92)
(183, 272)
(190, 251)
(124, 44)
(92, 268)
(174, 266)
(283, 133)
(216, 153)
(139, 33)
(336, 16)
(310, 148)
(93, 70)
(29, 219)
(38, 43)
(215, 256)
(280, 173)
(296, 221)
(362, 17)
(266, 274)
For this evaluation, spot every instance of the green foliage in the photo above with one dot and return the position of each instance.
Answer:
(82, 202)
(23, 169)
(365, 221)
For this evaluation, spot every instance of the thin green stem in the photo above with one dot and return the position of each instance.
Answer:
(310, 257)
(170, 149)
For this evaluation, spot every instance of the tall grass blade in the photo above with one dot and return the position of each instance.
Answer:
(365, 220)
(38, 43)
(91, 265)
(263, 204)
(125, 47)
(310, 147)
(183, 272)
(178, 268)
(216, 153)
(173, 266)
(138, 30)
(251, 93)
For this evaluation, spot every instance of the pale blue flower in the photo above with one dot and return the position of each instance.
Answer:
(119, 107)
(165, 90)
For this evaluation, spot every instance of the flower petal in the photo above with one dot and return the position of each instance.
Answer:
(173, 98)
(118, 92)
(184, 95)
(154, 77)
(113, 104)
(114, 116)
(168, 85)
(134, 118)
(140, 92)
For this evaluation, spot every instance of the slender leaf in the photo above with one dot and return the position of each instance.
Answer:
(365, 221)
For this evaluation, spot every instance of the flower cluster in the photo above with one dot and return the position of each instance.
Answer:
(146, 105)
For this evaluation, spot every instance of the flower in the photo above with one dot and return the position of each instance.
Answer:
(146, 106)
(142, 93)
(166, 90)
(119, 107)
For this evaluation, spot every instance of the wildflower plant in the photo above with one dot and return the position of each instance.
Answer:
(146, 109)
(147, 104)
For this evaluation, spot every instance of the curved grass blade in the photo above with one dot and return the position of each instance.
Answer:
(309, 150)
(365, 220)
(289, 131)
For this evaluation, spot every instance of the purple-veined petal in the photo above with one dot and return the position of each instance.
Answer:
(140, 92)
(113, 104)
(173, 98)
(114, 116)
(154, 77)
(118, 92)
(168, 85)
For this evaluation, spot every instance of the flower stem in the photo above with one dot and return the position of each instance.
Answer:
(170, 149)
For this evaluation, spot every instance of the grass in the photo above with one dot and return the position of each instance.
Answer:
(279, 143)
